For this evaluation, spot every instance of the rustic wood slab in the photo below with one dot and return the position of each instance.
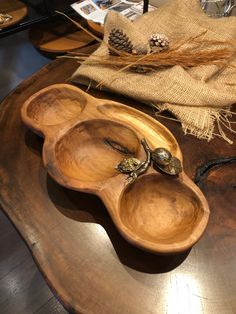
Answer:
(91, 268)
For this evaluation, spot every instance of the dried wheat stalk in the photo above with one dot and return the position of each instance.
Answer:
(191, 52)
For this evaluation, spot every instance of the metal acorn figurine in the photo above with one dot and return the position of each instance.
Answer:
(164, 161)
(161, 156)
(173, 168)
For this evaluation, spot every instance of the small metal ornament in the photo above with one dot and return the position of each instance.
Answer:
(173, 168)
(162, 160)
(133, 166)
(128, 165)
(161, 156)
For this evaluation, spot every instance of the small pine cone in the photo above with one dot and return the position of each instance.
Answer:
(158, 43)
(119, 41)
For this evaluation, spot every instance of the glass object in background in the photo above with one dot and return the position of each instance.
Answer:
(218, 8)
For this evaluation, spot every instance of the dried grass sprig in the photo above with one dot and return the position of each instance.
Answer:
(184, 57)
(91, 34)
(190, 52)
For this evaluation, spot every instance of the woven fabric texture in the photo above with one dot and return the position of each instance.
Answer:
(200, 97)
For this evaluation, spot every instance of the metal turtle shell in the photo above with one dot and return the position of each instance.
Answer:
(128, 165)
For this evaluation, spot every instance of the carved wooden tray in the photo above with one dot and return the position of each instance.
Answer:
(158, 213)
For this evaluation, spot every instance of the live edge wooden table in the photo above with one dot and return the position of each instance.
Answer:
(83, 258)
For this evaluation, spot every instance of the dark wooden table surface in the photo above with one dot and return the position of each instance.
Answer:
(83, 258)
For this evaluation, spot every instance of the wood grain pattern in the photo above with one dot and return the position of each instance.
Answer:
(17, 9)
(96, 28)
(89, 265)
(19, 275)
(58, 36)
(158, 213)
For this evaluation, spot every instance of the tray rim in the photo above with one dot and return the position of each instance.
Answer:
(164, 249)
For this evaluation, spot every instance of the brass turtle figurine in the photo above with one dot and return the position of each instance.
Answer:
(128, 165)
(162, 160)
(133, 166)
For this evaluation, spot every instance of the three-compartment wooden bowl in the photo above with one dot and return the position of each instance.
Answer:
(159, 213)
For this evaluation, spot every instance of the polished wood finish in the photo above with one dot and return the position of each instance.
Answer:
(158, 213)
(17, 9)
(22, 287)
(96, 28)
(89, 265)
(58, 36)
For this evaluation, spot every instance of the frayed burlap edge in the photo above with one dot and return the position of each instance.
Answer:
(203, 124)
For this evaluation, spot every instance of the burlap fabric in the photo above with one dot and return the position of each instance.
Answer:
(199, 97)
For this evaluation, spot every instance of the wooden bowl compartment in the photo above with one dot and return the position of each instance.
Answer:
(83, 137)
(161, 210)
(83, 153)
(56, 107)
(157, 135)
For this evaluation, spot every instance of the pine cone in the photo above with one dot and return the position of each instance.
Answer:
(119, 41)
(158, 43)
